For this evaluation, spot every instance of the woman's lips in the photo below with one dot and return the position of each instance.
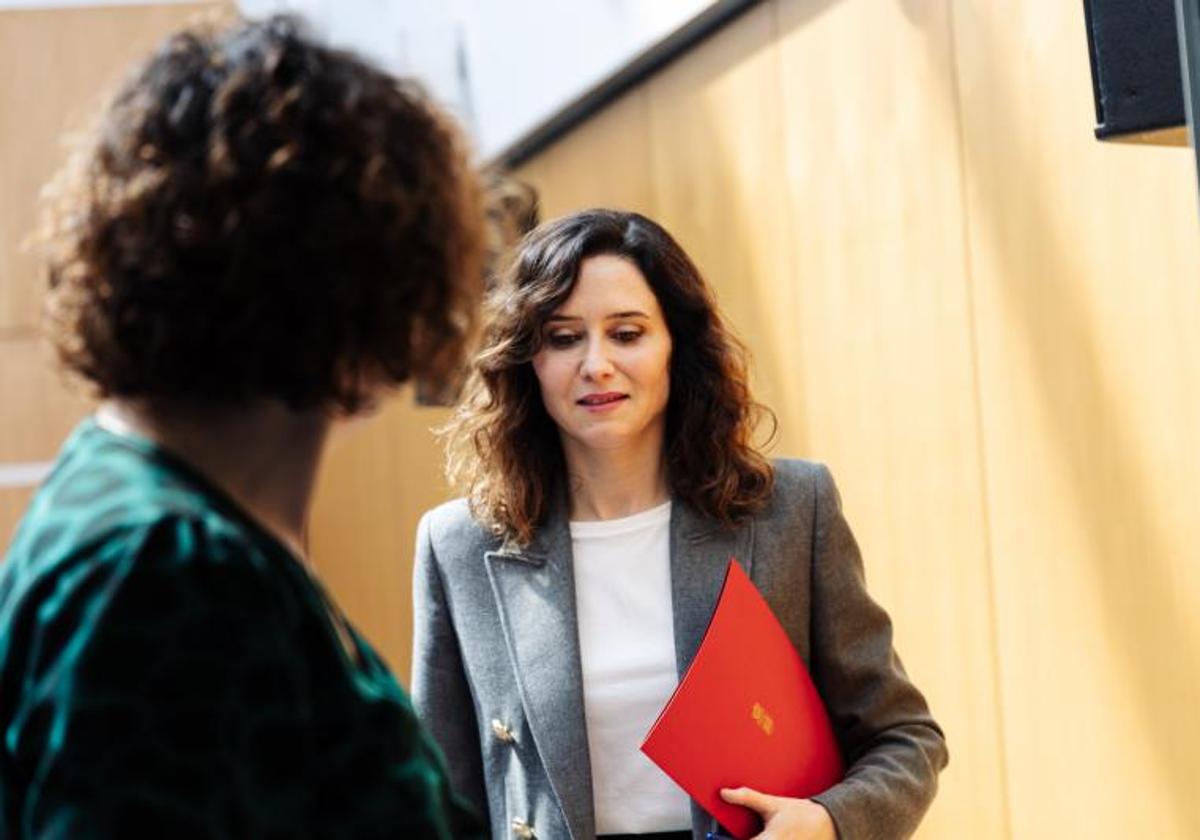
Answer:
(597, 403)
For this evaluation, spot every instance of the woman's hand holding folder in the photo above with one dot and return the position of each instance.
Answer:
(784, 818)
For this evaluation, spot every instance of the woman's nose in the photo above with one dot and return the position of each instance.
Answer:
(596, 363)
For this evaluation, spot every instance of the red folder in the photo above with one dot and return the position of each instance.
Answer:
(746, 713)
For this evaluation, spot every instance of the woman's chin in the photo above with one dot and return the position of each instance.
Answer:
(610, 439)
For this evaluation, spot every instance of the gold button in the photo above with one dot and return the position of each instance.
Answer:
(503, 734)
(523, 829)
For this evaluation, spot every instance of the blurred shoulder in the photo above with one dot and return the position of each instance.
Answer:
(153, 580)
(171, 546)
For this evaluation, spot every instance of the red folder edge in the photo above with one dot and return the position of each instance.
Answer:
(746, 713)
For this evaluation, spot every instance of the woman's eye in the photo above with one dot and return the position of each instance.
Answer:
(627, 336)
(562, 339)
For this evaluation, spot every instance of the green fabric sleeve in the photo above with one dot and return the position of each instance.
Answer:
(176, 685)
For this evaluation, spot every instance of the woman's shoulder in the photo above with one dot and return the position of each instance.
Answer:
(798, 475)
(800, 485)
(452, 527)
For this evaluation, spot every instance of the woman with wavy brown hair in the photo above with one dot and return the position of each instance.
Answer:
(605, 444)
(262, 236)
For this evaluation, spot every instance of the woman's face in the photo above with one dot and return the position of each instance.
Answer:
(605, 361)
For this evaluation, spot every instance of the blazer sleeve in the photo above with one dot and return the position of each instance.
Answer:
(440, 690)
(892, 746)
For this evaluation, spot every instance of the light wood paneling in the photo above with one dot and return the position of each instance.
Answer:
(381, 473)
(882, 319)
(606, 165)
(55, 67)
(1086, 261)
(717, 158)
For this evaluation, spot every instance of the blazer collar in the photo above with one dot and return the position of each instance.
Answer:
(534, 588)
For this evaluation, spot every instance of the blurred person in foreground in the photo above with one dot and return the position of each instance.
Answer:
(261, 237)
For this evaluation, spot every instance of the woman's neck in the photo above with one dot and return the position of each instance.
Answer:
(262, 454)
(610, 484)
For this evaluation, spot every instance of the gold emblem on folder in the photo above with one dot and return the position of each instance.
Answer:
(764, 721)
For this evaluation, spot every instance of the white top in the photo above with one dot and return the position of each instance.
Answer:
(627, 646)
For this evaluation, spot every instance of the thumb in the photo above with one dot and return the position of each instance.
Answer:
(763, 803)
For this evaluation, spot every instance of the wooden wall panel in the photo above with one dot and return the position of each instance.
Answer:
(56, 67)
(1085, 258)
(717, 158)
(381, 473)
(606, 165)
(882, 317)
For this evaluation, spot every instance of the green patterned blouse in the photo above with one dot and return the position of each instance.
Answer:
(168, 669)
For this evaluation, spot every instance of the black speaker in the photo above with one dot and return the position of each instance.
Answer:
(1136, 75)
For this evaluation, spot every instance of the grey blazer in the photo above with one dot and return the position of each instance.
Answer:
(497, 677)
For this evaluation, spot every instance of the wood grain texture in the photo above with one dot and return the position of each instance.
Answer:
(1085, 259)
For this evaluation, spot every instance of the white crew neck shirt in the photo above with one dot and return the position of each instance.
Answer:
(627, 647)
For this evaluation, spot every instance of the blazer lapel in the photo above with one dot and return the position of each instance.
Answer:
(535, 594)
(700, 553)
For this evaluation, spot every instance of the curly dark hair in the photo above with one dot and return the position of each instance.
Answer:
(259, 215)
(503, 448)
